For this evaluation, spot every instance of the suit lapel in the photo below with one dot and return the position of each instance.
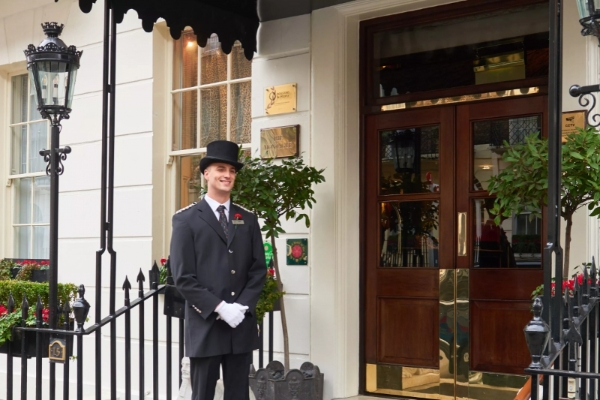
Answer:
(231, 228)
(207, 214)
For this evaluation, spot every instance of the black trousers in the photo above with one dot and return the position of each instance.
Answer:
(204, 372)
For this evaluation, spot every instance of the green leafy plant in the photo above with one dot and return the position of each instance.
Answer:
(269, 295)
(273, 191)
(162, 270)
(6, 267)
(66, 293)
(7, 322)
(523, 184)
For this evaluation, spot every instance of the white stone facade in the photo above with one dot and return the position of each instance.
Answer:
(320, 53)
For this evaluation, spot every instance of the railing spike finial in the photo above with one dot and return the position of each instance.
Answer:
(39, 308)
(537, 334)
(154, 276)
(24, 308)
(141, 279)
(11, 303)
(126, 288)
(81, 308)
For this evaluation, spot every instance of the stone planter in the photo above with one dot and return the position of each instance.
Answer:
(272, 383)
(39, 275)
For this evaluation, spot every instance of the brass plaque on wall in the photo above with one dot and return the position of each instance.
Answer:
(279, 142)
(280, 99)
(571, 121)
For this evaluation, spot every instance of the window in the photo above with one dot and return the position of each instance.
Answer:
(30, 184)
(211, 100)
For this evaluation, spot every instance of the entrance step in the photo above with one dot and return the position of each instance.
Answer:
(373, 398)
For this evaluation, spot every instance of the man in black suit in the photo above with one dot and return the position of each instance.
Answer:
(218, 264)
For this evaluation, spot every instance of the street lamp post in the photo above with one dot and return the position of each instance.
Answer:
(52, 70)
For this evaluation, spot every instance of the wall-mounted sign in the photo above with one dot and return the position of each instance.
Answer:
(268, 252)
(280, 99)
(297, 251)
(571, 121)
(279, 142)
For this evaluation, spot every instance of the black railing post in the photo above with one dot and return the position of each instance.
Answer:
(154, 277)
(127, 288)
(38, 348)
(9, 356)
(141, 279)
(24, 316)
(261, 344)
(66, 312)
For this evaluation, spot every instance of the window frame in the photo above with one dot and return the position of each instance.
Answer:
(11, 225)
(174, 157)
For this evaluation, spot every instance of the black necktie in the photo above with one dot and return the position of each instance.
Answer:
(222, 219)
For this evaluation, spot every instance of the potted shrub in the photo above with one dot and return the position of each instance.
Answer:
(272, 191)
(40, 273)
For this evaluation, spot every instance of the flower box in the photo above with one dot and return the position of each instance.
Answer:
(39, 275)
(30, 344)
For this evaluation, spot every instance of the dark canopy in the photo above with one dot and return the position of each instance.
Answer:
(231, 20)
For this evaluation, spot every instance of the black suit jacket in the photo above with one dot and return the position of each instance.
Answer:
(208, 268)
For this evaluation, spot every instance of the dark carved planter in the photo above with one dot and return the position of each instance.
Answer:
(39, 275)
(174, 302)
(272, 383)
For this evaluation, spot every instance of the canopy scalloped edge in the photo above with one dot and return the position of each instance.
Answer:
(231, 20)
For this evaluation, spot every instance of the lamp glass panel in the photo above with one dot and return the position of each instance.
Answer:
(583, 9)
(72, 78)
(52, 77)
(34, 113)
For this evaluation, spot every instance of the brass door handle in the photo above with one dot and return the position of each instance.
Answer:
(462, 234)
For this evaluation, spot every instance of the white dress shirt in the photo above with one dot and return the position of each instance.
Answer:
(215, 204)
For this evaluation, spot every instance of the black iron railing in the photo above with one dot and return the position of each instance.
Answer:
(34, 344)
(567, 366)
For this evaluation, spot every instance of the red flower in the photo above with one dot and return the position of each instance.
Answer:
(237, 216)
(45, 314)
(271, 272)
(3, 310)
(163, 261)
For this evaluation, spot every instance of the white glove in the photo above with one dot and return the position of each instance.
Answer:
(240, 307)
(230, 313)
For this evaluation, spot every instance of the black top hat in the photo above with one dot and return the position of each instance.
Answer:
(221, 151)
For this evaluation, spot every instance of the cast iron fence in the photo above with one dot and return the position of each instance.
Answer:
(567, 366)
(39, 342)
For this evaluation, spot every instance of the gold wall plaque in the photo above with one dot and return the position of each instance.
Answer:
(280, 99)
(279, 142)
(571, 121)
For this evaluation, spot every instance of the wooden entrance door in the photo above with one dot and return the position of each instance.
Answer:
(447, 291)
